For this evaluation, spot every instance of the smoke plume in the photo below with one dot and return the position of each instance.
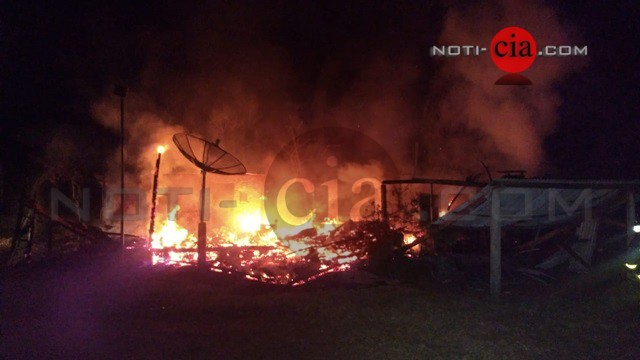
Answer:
(472, 120)
(236, 72)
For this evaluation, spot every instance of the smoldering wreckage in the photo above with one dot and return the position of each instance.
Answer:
(503, 232)
(444, 229)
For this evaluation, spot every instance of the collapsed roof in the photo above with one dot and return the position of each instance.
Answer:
(530, 203)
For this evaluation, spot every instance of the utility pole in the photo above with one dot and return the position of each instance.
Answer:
(121, 92)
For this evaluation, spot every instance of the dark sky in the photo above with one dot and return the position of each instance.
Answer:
(58, 58)
(600, 115)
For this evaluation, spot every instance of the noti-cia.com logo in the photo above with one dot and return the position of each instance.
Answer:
(513, 50)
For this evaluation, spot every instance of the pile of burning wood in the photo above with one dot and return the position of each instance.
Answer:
(294, 259)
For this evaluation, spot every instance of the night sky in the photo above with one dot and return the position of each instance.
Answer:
(60, 58)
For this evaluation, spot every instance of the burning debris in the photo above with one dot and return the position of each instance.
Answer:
(534, 240)
(259, 254)
(277, 135)
(264, 237)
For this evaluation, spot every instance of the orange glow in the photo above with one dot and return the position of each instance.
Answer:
(409, 239)
(250, 246)
(328, 225)
(171, 235)
(249, 222)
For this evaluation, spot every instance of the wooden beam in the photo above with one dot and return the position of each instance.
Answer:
(436, 182)
(527, 183)
(559, 230)
(383, 199)
(566, 184)
(431, 219)
(566, 247)
(495, 272)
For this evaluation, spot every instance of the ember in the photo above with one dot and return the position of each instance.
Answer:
(252, 248)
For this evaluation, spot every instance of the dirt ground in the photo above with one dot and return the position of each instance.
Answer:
(109, 307)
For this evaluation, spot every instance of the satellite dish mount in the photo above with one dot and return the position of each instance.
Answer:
(208, 157)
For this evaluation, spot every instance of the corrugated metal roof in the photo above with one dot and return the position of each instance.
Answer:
(533, 203)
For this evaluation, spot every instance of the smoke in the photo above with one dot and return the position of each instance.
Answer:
(237, 73)
(473, 120)
(216, 77)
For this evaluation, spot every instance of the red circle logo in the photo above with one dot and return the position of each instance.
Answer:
(513, 49)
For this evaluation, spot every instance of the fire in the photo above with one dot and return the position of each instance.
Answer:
(251, 247)
(408, 239)
(249, 222)
(171, 241)
(328, 225)
(293, 230)
(171, 235)
(161, 149)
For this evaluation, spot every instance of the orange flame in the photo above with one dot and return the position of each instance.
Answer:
(251, 247)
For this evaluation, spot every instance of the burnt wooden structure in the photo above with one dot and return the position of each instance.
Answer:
(532, 204)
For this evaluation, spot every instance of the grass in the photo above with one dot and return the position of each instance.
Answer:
(107, 307)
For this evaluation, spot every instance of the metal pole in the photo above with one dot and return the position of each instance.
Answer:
(202, 226)
(204, 178)
(121, 92)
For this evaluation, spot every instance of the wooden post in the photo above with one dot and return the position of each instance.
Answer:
(631, 216)
(121, 91)
(424, 207)
(495, 272)
(383, 199)
(431, 217)
(154, 197)
(202, 244)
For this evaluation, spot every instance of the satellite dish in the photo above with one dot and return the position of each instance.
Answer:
(208, 157)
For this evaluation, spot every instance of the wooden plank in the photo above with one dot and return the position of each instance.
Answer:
(540, 239)
(566, 184)
(576, 256)
(219, 249)
(527, 183)
(436, 182)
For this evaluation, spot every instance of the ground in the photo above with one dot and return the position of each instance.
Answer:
(107, 306)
